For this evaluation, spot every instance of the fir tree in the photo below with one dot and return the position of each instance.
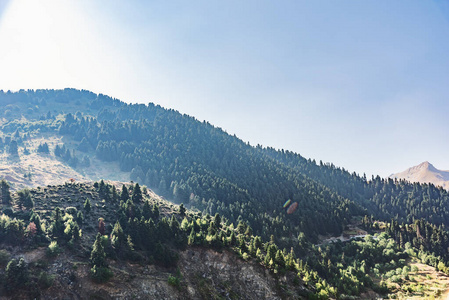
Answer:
(137, 193)
(87, 205)
(124, 196)
(5, 194)
(98, 256)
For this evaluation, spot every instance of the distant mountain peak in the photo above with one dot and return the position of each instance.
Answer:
(425, 166)
(425, 172)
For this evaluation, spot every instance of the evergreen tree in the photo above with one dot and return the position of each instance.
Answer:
(43, 148)
(13, 148)
(137, 194)
(25, 199)
(182, 210)
(124, 196)
(16, 274)
(5, 194)
(57, 226)
(99, 271)
(84, 145)
(87, 205)
(117, 236)
(146, 210)
(98, 256)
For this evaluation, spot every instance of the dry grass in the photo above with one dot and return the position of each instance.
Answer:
(425, 283)
(46, 169)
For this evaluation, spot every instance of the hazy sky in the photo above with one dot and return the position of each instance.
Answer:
(362, 84)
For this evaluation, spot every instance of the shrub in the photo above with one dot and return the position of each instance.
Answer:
(173, 280)
(71, 210)
(4, 257)
(53, 249)
(100, 274)
(45, 280)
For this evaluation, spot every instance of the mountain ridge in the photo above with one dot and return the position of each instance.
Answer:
(425, 172)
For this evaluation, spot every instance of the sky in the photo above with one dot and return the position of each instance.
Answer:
(361, 84)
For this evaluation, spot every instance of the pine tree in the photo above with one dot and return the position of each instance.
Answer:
(124, 196)
(98, 256)
(5, 194)
(155, 212)
(99, 271)
(146, 210)
(13, 148)
(137, 193)
(87, 206)
(25, 199)
(57, 226)
(191, 239)
(117, 236)
(182, 210)
(16, 274)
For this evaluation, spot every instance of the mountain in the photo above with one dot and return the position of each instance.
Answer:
(424, 173)
(274, 205)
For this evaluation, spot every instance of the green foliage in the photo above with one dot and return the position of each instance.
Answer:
(45, 280)
(182, 210)
(175, 280)
(98, 256)
(24, 199)
(12, 231)
(220, 175)
(43, 148)
(101, 274)
(4, 257)
(87, 206)
(4, 192)
(16, 275)
(53, 249)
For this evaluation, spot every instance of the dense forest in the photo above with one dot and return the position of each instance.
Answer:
(275, 196)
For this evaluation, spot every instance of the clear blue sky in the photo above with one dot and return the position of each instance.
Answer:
(361, 84)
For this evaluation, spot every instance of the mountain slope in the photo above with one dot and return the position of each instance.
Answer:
(276, 198)
(424, 173)
(181, 158)
(169, 253)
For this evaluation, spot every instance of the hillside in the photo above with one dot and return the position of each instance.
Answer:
(424, 173)
(166, 252)
(139, 268)
(41, 169)
(275, 204)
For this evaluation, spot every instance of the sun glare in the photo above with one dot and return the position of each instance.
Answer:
(51, 44)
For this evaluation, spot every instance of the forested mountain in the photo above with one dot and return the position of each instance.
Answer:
(188, 161)
(383, 198)
(84, 240)
(275, 195)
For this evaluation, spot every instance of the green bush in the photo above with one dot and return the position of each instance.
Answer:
(53, 249)
(45, 280)
(100, 274)
(71, 210)
(4, 257)
(173, 280)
